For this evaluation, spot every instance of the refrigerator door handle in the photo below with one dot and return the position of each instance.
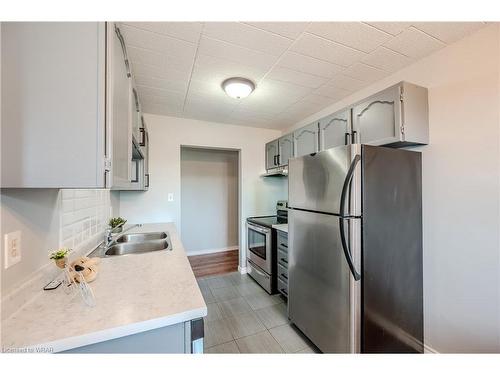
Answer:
(347, 182)
(347, 250)
(343, 216)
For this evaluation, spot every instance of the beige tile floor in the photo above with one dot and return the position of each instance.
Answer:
(243, 318)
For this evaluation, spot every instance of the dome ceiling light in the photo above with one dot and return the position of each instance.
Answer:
(237, 87)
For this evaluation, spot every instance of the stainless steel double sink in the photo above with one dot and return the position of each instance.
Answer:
(135, 243)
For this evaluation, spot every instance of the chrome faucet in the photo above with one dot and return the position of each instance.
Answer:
(108, 237)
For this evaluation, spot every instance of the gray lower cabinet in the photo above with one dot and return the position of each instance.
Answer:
(272, 154)
(307, 139)
(282, 243)
(335, 130)
(397, 116)
(186, 337)
(286, 149)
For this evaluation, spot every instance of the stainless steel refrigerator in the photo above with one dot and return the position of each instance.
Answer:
(355, 249)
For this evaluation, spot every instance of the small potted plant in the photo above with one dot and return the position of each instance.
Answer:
(116, 224)
(60, 256)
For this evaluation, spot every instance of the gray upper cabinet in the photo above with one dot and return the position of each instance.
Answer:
(307, 139)
(121, 109)
(335, 130)
(397, 116)
(286, 149)
(67, 107)
(136, 114)
(272, 154)
(53, 105)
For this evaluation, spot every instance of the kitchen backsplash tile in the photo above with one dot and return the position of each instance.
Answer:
(84, 215)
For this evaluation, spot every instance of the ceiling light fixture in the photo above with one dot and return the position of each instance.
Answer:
(237, 87)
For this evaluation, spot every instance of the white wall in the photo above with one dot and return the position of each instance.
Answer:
(49, 219)
(209, 199)
(258, 195)
(460, 191)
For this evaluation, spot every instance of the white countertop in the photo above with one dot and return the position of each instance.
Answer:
(281, 227)
(134, 293)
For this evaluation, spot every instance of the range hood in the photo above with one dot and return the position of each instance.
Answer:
(276, 172)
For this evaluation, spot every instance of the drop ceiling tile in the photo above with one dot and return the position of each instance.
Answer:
(236, 54)
(173, 84)
(306, 107)
(172, 96)
(214, 71)
(247, 36)
(189, 31)
(158, 101)
(326, 50)
(160, 72)
(448, 32)
(279, 91)
(207, 109)
(245, 113)
(307, 64)
(298, 78)
(159, 59)
(287, 29)
(161, 100)
(393, 28)
(163, 110)
(211, 91)
(365, 73)
(414, 43)
(386, 59)
(332, 92)
(347, 83)
(272, 108)
(145, 56)
(183, 50)
(353, 34)
(318, 99)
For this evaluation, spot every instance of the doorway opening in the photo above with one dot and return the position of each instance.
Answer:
(210, 209)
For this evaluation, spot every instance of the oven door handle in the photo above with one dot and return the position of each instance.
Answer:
(258, 229)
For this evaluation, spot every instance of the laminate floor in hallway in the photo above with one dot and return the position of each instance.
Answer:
(243, 318)
(214, 264)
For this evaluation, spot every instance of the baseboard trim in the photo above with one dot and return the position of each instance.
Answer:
(211, 251)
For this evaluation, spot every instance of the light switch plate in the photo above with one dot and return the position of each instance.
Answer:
(170, 197)
(12, 248)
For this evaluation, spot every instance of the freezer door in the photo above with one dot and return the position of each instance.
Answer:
(392, 251)
(322, 291)
(315, 181)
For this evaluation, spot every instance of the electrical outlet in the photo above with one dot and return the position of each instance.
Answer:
(170, 197)
(12, 249)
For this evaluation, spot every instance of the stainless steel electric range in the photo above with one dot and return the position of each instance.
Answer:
(261, 247)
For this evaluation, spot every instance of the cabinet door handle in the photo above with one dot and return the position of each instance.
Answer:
(143, 137)
(347, 138)
(147, 180)
(354, 136)
(278, 157)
